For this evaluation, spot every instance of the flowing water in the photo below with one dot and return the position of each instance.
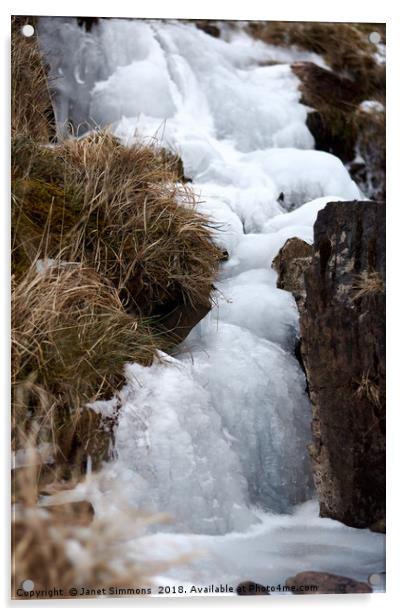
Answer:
(217, 436)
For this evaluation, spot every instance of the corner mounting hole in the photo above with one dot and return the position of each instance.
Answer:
(28, 30)
(27, 585)
(374, 37)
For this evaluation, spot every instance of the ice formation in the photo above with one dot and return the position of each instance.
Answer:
(219, 434)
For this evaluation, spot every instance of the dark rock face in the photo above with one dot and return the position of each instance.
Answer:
(209, 27)
(342, 323)
(172, 317)
(180, 320)
(321, 583)
(368, 170)
(88, 22)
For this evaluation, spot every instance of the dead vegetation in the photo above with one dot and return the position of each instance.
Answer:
(368, 388)
(31, 107)
(345, 47)
(120, 209)
(368, 284)
(64, 546)
(70, 340)
(56, 554)
(104, 237)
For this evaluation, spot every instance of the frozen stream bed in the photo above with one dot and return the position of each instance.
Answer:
(272, 551)
(217, 435)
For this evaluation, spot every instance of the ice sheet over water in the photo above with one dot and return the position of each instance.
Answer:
(271, 551)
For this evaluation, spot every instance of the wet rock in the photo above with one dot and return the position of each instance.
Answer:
(342, 328)
(251, 588)
(171, 315)
(180, 320)
(290, 263)
(321, 583)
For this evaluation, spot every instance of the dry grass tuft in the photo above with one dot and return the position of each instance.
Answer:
(120, 209)
(369, 283)
(149, 238)
(70, 338)
(31, 107)
(58, 548)
(369, 389)
(344, 46)
(54, 554)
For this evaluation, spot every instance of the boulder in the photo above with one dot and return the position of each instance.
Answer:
(290, 263)
(321, 583)
(342, 329)
(248, 588)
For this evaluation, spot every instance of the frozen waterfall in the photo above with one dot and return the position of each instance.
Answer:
(217, 435)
